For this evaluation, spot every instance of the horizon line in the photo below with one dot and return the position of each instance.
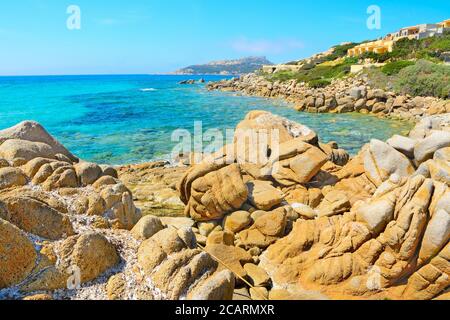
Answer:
(110, 74)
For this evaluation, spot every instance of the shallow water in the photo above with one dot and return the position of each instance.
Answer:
(130, 118)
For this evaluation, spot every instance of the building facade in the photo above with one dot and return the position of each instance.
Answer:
(421, 31)
(379, 47)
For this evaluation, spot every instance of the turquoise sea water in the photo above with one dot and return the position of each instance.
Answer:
(130, 119)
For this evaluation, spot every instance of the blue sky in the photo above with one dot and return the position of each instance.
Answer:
(156, 36)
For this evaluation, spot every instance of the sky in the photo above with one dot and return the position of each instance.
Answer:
(160, 36)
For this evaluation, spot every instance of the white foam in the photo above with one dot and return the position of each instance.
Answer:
(148, 89)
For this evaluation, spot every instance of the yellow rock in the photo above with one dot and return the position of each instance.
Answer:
(18, 256)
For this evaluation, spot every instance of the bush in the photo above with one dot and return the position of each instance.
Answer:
(378, 79)
(424, 79)
(319, 83)
(319, 72)
(340, 51)
(395, 67)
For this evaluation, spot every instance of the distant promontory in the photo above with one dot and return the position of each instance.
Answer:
(227, 67)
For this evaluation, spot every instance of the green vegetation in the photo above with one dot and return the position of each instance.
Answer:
(340, 51)
(427, 77)
(424, 79)
(396, 66)
(319, 83)
(378, 79)
(318, 76)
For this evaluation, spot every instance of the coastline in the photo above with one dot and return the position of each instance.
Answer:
(125, 228)
(352, 94)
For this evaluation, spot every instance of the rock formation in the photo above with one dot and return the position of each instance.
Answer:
(65, 225)
(274, 215)
(374, 227)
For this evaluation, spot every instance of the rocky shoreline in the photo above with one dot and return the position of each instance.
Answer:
(351, 94)
(309, 223)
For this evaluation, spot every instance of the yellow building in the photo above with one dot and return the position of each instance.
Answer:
(380, 47)
(421, 31)
(445, 24)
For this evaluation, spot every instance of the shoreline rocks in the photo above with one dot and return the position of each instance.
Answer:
(351, 230)
(307, 221)
(352, 94)
(65, 231)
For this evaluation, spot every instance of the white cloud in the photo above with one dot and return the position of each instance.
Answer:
(265, 46)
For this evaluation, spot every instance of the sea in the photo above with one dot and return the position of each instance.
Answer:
(128, 119)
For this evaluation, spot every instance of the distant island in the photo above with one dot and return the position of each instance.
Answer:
(227, 67)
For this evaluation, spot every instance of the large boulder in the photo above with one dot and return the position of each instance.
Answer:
(65, 210)
(35, 216)
(403, 144)
(428, 125)
(75, 261)
(263, 195)
(265, 123)
(381, 161)
(87, 172)
(272, 224)
(296, 163)
(267, 229)
(355, 255)
(437, 235)
(34, 132)
(220, 286)
(431, 280)
(147, 227)
(121, 211)
(173, 264)
(237, 221)
(92, 253)
(22, 151)
(210, 191)
(334, 202)
(17, 255)
(12, 177)
(231, 258)
(425, 149)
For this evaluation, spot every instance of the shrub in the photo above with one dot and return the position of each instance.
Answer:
(377, 79)
(319, 72)
(424, 79)
(395, 67)
(340, 51)
(319, 83)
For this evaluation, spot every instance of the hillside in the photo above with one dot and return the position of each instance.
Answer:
(227, 67)
(413, 66)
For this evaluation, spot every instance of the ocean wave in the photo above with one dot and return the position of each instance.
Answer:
(148, 89)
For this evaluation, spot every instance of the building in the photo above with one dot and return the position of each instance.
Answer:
(421, 31)
(445, 24)
(280, 68)
(380, 47)
(408, 32)
(429, 30)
